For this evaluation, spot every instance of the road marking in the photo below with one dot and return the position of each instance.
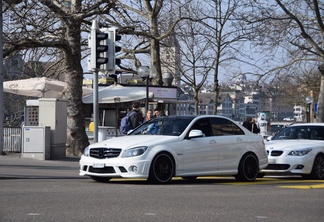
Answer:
(33, 214)
(150, 214)
(259, 181)
(305, 187)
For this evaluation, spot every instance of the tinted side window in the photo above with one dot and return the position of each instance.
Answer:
(223, 127)
(204, 126)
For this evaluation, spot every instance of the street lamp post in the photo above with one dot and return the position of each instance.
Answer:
(309, 101)
(146, 74)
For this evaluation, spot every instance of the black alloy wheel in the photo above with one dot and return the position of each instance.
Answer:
(248, 168)
(162, 169)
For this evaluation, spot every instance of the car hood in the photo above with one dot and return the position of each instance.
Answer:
(292, 144)
(134, 141)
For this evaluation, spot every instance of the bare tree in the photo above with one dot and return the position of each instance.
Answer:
(56, 28)
(292, 32)
(196, 61)
(228, 35)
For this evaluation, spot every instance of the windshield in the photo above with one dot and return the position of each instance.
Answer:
(301, 132)
(163, 126)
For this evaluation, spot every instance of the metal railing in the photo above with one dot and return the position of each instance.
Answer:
(12, 139)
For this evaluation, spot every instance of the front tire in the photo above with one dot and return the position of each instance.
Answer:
(248, 168)
(318, 168)
(162, 169)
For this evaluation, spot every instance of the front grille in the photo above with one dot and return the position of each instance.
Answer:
(276, 153)
(278, 166)
(103, 153)
(101, 170)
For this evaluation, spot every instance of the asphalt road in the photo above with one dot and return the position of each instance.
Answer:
(205, 200)
(33, 190)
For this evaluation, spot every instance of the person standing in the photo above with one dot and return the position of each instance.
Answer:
(140, 117)
(134, 117)
(249, 123)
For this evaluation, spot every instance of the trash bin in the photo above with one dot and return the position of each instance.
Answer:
(102, 133)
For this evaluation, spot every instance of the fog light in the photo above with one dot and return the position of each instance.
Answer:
(299, 167)
(133, 169)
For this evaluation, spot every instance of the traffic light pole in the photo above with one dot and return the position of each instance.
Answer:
(94, 69)
(102, 59)
(95, 106)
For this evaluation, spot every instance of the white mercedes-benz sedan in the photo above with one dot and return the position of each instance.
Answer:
(182, 146)
(297, 149)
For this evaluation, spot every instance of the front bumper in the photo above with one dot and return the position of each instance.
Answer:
(289, 165)
(132, 167)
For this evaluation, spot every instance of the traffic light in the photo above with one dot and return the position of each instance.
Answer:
(103, 49)
(98, 42)
(113, 49)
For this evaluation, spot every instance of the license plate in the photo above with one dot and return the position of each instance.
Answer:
(98, 165)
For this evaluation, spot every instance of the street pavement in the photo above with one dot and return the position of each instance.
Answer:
(13, 166)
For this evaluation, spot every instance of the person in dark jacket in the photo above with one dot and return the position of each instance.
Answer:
(249, 123)
(158, 112)
(134, 117)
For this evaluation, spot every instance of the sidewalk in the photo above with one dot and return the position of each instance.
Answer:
(12, 166)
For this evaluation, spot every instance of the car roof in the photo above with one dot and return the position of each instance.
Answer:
(192, 116)
(306, 124)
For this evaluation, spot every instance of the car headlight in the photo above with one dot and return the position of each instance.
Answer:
(86, 151)
(301, 152)
(137, 151)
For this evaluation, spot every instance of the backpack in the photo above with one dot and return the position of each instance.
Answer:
(125, 123)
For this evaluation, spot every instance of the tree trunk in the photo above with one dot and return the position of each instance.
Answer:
(77, 139)
(320, 104)
(216, 91)
(196, 99)
(155, 51)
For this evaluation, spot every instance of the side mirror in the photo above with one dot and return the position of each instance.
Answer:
(269, 138)
(195, 133)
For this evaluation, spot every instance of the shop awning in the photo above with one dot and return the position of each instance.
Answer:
(118, 94)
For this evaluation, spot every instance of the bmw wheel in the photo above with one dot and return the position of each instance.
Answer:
(248, 168)
(162, 169)
(318, 168)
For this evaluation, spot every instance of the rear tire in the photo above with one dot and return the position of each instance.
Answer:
(248, 168)
(162, 169)
(100, 179)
